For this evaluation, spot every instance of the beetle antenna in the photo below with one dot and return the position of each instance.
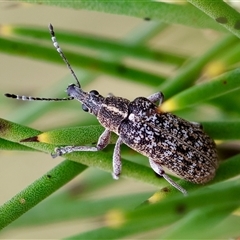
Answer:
(29, 98)
(56, 45)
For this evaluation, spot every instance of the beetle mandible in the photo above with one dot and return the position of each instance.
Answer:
(167, 140)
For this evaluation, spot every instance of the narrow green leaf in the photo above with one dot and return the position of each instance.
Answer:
(144, 32)
(93, 64)
(228, 169)
(38, 190)
(188, 227)
(229, 58)
(41, 188)
(98, 43)
(101, 159)
(221, 85)
(15, 132)
(80, 135)
(171, 13)
(77, 208)
(167, 212)
(223, 130)
(221, 12)
(8, 145)
(72, 136)
(226, 229)
(228, 104)
(188, 74)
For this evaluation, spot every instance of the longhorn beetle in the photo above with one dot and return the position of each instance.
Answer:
(167, 140)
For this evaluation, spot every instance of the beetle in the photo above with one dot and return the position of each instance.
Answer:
(167, 140)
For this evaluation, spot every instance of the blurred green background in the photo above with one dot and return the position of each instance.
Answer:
(32, 77)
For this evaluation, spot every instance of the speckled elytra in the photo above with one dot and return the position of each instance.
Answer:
(167, 140)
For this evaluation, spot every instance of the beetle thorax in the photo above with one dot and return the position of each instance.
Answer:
(113, 111)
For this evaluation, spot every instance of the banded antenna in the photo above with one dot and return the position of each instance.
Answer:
(56, 45)
(29, 98)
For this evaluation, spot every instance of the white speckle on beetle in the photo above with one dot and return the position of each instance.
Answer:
(131, 117)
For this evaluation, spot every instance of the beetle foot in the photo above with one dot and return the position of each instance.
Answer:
(59, 151)
(116, 177)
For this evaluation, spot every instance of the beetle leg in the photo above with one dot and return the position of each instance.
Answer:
(159, 170)
(117, 164)
(156, 97)
(103, 141)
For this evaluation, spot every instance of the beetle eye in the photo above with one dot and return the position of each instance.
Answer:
(94, 92)
(84, 108)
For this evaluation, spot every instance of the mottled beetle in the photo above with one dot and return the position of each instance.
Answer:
(167, 140)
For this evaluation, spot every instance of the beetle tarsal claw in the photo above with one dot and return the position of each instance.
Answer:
(57, 152)
(116, 177)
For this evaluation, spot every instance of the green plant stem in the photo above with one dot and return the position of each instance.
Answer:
(221, 85)
(41, 188)
(86, 62)
(38, 190)
(188, 74)
(102, 160)
(8, 145)
(169, 211)
(200, 218)
(184, 14)
(102, 45)
(221, 12)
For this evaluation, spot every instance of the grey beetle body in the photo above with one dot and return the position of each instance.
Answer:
(167, 140)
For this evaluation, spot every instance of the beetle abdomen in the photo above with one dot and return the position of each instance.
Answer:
(179, 145)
